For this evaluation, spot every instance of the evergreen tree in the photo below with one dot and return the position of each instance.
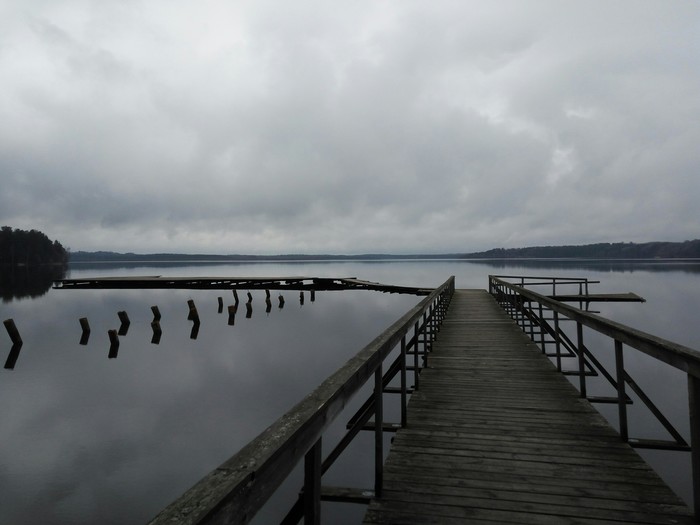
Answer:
(29, 248)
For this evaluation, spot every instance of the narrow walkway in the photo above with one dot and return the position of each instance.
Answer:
(496, 435)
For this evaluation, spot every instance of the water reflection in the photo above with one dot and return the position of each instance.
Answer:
(83, 434)
(87, 439)
(19, 282)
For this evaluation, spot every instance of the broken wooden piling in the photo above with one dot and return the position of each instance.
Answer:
(85, 326)
(124, 318)
(157, 332)
(113, 343)
(156, 313)
(194, 314)
(232, 309)
(12, 331)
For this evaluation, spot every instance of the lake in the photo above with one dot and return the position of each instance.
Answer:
(91, 438)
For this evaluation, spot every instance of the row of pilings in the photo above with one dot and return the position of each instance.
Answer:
(125, 322)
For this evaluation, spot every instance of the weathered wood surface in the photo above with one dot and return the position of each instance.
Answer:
(496, 435)
(599, 297)
(233, 283)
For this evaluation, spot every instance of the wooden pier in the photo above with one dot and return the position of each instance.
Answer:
(234, 283)
(492, 431)
(496, 434)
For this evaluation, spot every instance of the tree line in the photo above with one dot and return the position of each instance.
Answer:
(620, 250)
(29, 248)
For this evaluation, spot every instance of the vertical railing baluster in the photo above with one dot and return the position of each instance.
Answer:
(404, 416)
(621, 395)
(378, 432)
(557, 340)
(416, 375)
(694, 410)
(312, 485)
(425, 339)
(581, 359)
(542, 345)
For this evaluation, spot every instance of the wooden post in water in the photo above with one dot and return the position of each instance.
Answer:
(312, 295)
(13, 356)
(85, 325)
(281, 300)
(194, 314)
(301, 297)
(124, 318)
(114, 343)
(157, 332)
(156, 313)
(221, 304)
(232, 309)
(235, 297)
(12, 331)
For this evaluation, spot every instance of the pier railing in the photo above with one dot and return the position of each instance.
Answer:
(541, 317)
(237, 489)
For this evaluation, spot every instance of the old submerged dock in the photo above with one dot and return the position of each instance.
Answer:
(491, 431)
(496, 434)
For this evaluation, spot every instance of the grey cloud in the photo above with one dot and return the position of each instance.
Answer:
(265, 129)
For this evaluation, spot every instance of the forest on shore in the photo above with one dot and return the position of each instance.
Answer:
(621, 250)
(29, 248)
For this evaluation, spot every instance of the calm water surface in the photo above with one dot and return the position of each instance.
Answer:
(87, 438)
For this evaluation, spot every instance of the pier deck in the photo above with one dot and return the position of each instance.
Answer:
(496, 435)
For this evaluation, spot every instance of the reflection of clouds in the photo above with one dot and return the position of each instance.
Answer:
(85, 434)
(82, 433)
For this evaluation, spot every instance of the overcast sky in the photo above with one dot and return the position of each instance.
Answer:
(349, 127)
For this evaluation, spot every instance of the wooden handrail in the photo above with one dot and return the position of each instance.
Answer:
(237, 489)
(674, 354)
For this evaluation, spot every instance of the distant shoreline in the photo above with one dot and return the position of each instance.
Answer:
(687, 250)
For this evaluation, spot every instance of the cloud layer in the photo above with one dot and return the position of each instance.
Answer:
(397, 126)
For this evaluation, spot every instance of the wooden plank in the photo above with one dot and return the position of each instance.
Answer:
(599, 297)
(496, 435)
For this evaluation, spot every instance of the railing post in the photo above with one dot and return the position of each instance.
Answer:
(581, 359)
(404, 416)
(557, 340)
(378, 432)
(621, 396)
(416, 375)
(425, 339)
(694, 409)
(312, 485)
(541, 312)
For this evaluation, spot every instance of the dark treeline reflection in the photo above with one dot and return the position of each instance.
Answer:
(609, 265)
(18, 282)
